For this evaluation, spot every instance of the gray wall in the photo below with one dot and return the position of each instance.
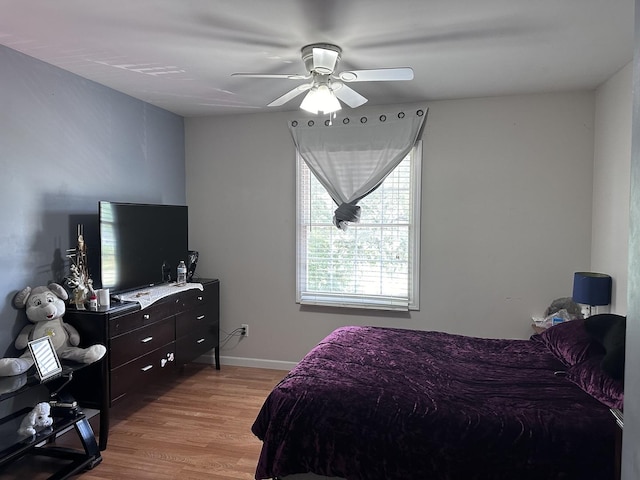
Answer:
(65, 143)
(631, 438)
(615, 232)
(506, 220)
(612, 160)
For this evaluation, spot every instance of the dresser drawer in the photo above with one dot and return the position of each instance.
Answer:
(190, 298)
(194, 319)
(149, 368)
(140, 318)
(141, 341)
(197, 343)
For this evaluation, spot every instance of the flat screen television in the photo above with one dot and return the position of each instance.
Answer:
(141, 244)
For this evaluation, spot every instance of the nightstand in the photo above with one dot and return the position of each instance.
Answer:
(537, 324)
(538, 329)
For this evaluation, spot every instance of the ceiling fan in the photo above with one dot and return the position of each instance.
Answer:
(326, 85)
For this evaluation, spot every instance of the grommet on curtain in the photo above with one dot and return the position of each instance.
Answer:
(327, 123)
(311, 123)
(376, 148)
(294, 123)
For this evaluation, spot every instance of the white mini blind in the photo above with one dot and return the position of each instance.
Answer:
(374, 263)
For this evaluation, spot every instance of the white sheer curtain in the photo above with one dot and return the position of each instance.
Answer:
(353, 153)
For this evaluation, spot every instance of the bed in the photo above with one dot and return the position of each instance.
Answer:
(372, 403)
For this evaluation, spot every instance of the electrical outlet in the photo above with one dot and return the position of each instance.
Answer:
(245, 330)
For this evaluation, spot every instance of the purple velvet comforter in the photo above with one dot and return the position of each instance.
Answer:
(371, 403)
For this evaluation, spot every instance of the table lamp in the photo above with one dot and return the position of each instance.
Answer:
(591, 289)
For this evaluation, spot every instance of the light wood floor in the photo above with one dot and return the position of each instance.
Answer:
(197, 427)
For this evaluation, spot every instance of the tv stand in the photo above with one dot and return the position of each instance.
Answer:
(144, 345)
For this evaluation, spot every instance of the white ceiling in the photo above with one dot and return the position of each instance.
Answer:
(179, 54)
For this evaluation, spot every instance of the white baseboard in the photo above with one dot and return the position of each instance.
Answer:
(248, 362)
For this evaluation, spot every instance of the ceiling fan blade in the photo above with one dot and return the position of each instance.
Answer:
(377, 75)
(287, 76)
(290, 95)
(349, 96)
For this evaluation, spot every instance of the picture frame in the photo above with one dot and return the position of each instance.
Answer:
(45, 358)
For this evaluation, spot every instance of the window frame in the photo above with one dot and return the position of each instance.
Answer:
(376, 302)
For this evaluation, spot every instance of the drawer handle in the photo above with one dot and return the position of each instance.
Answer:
(199, 317)
(147, 368)
(146, 316)
(200, 341)
(146, 340)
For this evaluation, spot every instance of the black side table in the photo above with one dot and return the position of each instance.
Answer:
(14, 445)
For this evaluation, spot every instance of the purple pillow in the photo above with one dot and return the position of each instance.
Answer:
(590, 377)
(570, 342)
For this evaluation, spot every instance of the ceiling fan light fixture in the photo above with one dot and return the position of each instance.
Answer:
(324, 61)
(321, 57)
(327, 87)
(320, 99)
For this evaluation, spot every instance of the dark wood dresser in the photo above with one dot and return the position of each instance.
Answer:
(144, 346)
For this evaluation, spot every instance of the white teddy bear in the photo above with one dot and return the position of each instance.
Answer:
(37, 419)
(45, 308)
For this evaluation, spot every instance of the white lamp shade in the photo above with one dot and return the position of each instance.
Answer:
(320, 99)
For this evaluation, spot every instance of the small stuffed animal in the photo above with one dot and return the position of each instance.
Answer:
(45, 308)
(566, 303)
(37, 419)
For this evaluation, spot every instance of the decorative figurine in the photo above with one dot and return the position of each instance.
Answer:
(78, 279)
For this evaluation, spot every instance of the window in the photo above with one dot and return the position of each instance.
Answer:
(374, 263)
